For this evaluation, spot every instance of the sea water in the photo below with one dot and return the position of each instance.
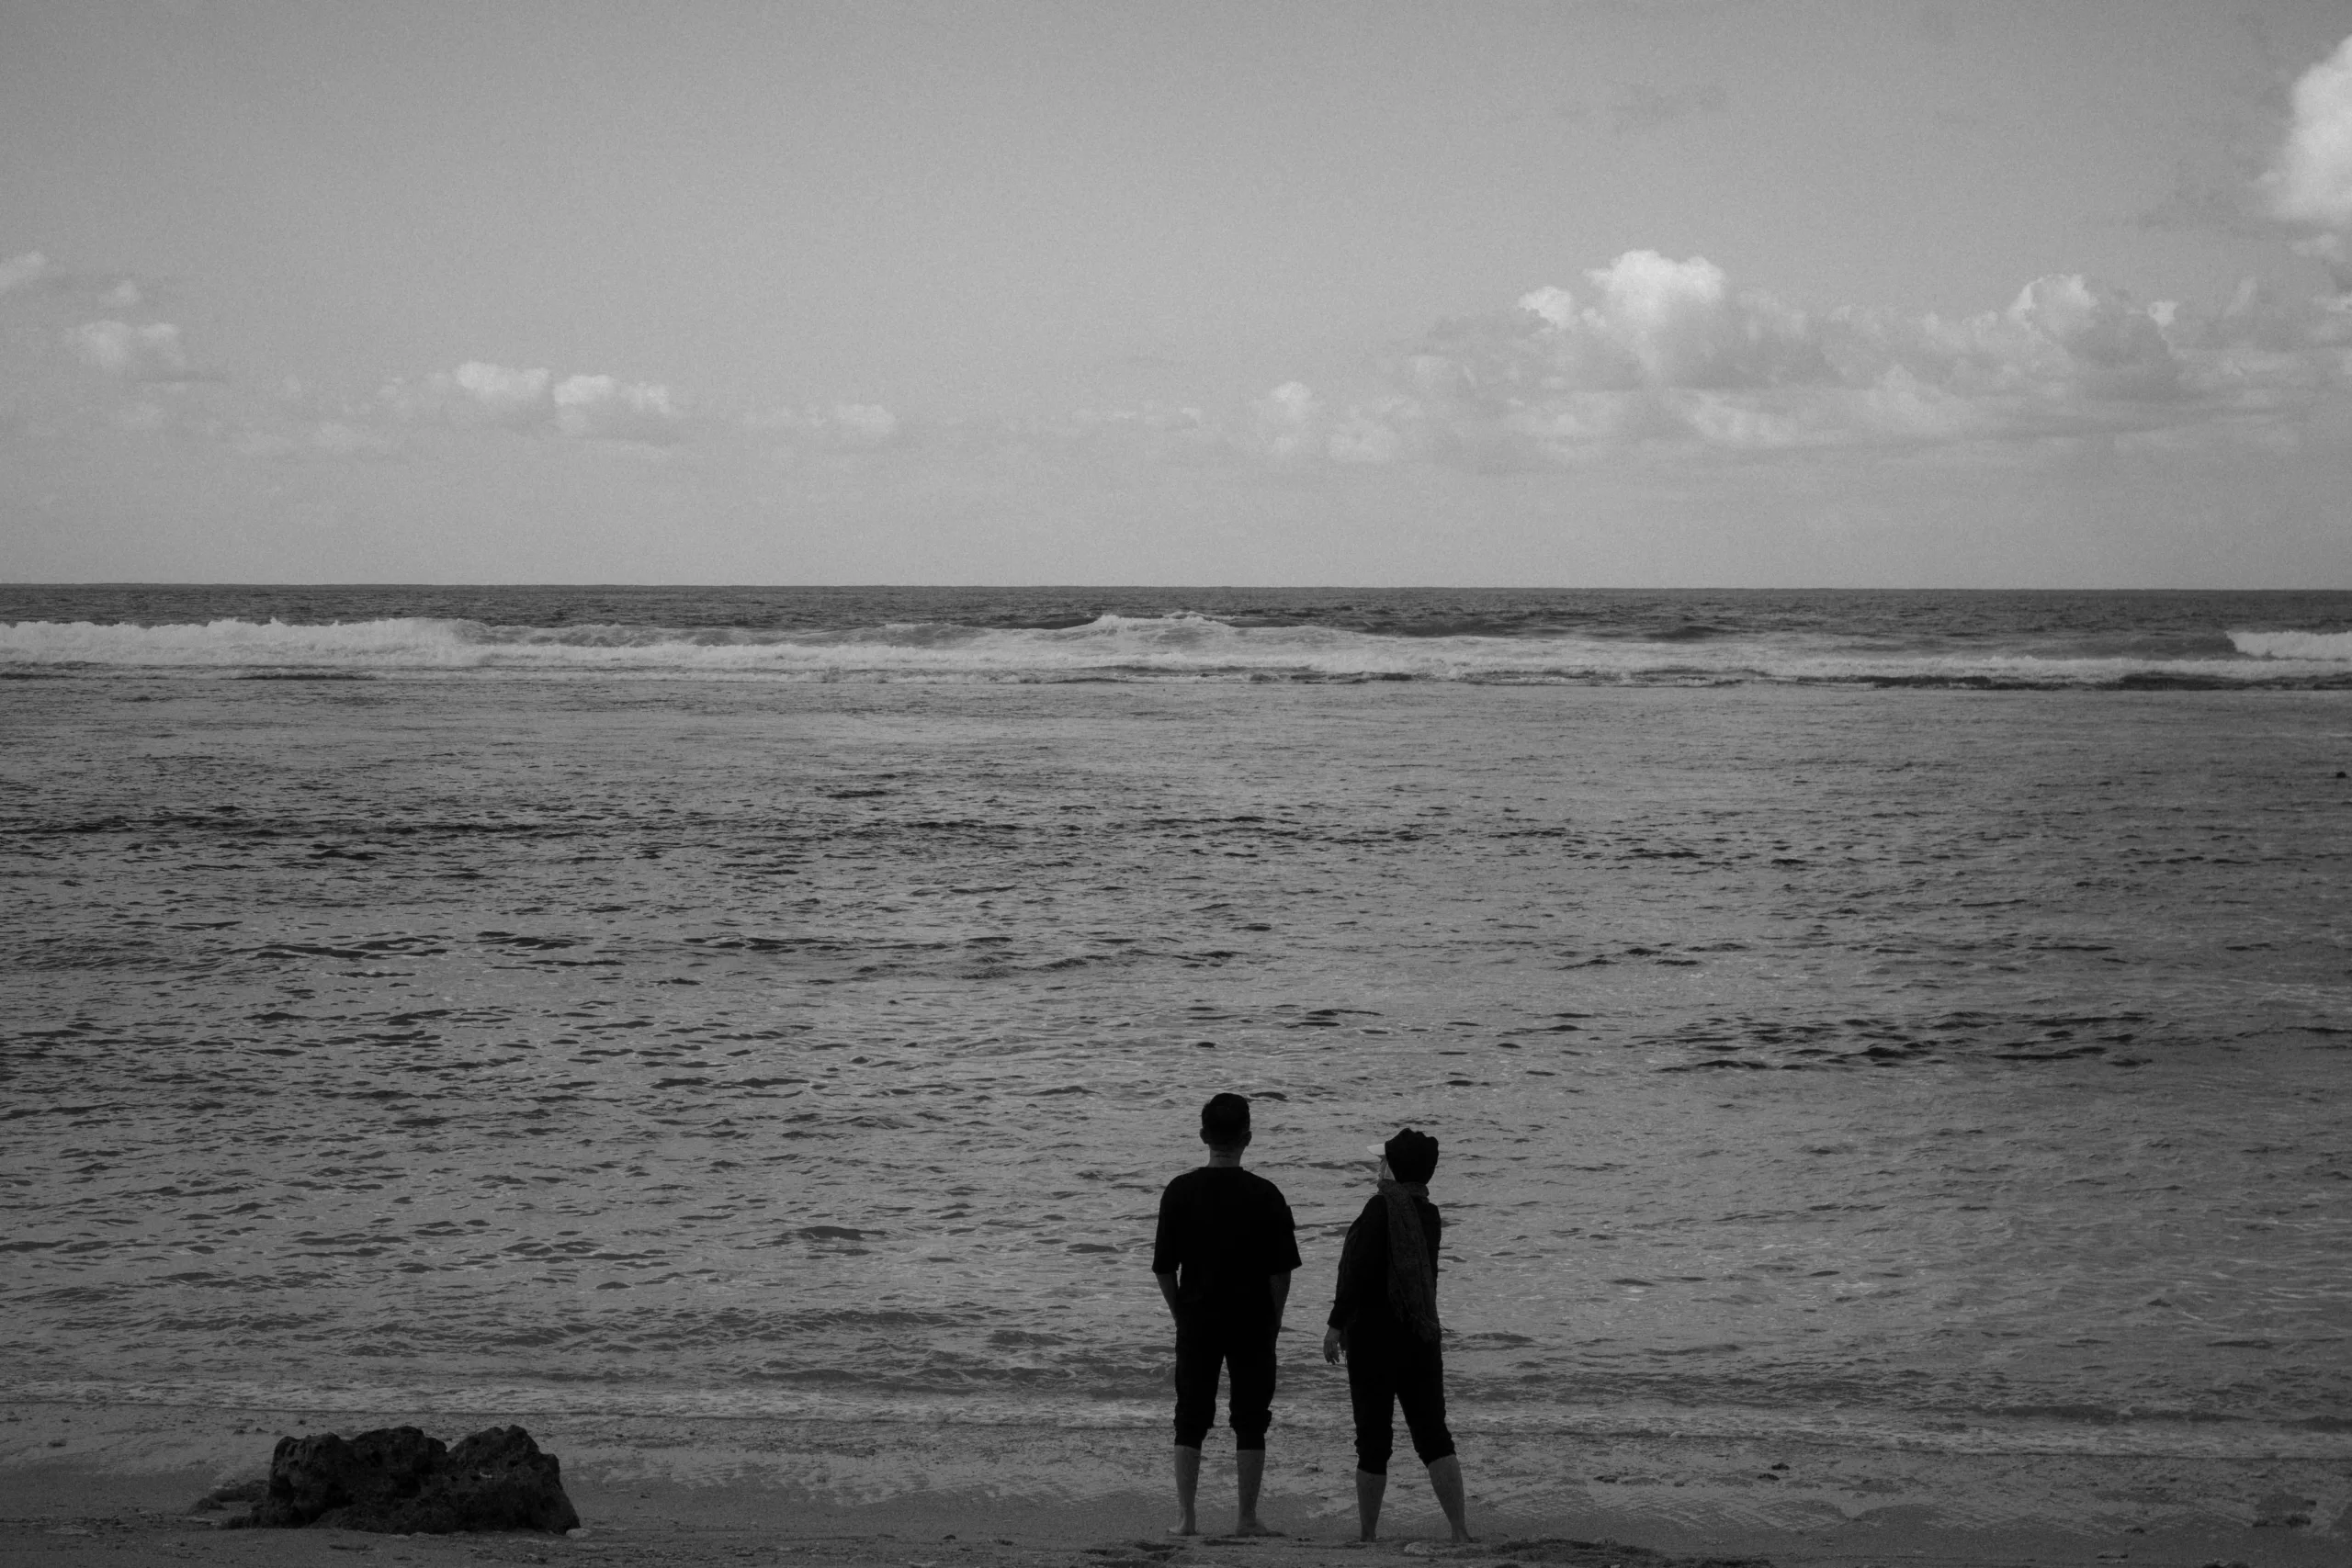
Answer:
(1921, 1015)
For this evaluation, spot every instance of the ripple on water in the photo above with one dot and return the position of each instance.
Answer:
(1793, 1056)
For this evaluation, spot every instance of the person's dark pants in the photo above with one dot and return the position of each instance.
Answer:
(1244, 1348)
(1389, 1370)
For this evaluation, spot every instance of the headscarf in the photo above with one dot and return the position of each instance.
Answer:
(1412, 1283)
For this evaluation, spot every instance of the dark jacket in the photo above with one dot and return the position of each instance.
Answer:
(1361, 1303)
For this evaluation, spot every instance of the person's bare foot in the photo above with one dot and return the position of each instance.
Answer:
(1184, 1526)
(1252, 1526)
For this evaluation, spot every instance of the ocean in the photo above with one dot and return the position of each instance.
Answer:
(1915, 1017)
(1991, 640)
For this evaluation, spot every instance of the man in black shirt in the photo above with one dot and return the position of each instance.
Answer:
(1223, 1256)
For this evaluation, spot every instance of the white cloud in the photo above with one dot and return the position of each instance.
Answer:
(2313, 180)
(476, 393)
(1660, 351)
(501, 391)
(587, 406)
(853, 427)
(151, 353)
(1288, 421)
(22, 269)
(1555, 305)
(1290, 425)
(2062, 337)
(1661, 313)
(1659, 322)
(601, 408)
(2310, 183)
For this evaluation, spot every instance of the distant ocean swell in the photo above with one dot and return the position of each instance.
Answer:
(1181, 646)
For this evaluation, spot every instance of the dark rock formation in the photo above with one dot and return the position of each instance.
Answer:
(312, 1477)
(252, 1490)
(397, 1480)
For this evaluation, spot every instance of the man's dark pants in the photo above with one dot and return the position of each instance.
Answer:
(1241, 1343)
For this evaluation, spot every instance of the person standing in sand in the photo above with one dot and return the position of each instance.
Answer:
(1223, 1256)
(1383, 1322)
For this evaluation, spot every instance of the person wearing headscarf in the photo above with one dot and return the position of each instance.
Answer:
(1384, 1323)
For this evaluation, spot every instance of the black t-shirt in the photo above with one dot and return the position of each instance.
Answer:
(1222, 1231)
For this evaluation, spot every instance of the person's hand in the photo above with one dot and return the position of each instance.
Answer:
(1334, 1349)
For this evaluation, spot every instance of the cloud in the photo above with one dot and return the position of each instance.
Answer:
(1678, 324)
(1652, 326)
(1287, 421)
(843, 427)
(22, 269)
(1663, 355)
(150, 353)
(476, 393)
(2064, 340)
(1659, 351)
(1650, 356)
(600, 407)
(499, 390)
(583, 407)
(865, 424)
(2310, 183)
(34, 273)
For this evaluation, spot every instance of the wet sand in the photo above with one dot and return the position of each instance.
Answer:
(83, 1485)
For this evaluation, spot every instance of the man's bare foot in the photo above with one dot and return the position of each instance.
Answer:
(1252, 1526)
(1184, 1526)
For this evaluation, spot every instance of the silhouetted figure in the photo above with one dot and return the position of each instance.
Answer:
(1223, 1256)
(1383, 1322)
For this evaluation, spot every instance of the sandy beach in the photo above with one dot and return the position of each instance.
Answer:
(90, 1483)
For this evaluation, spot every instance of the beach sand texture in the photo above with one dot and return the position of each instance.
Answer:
(120, 1491)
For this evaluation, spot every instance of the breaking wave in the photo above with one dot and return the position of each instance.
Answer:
(2334, 647)
(1140, 648)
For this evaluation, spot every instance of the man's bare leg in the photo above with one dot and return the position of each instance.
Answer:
(1370, 1489)
(1250, 1471)
(1188, 1488)
(1445, 1479)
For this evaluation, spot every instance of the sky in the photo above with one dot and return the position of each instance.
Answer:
(1985, 293)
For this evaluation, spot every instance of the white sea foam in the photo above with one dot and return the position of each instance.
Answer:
(1111, 647)
(2332, 647)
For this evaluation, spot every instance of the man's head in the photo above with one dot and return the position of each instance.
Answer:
(1411, 1156)
(1224, 1122)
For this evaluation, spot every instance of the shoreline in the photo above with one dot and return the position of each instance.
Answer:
(89, 1481)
